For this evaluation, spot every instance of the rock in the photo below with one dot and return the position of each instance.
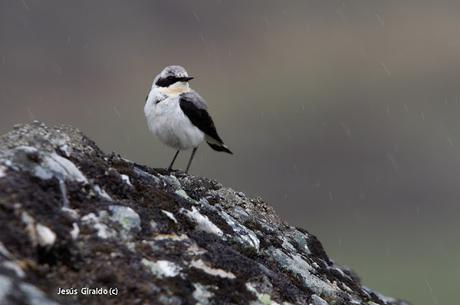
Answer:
(45, 236)
(76, 219)
(162, 268)
(126, 217)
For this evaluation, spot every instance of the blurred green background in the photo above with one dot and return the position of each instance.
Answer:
(344, 115)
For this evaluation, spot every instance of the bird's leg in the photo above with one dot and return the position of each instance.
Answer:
(191, 158)
(172, 162)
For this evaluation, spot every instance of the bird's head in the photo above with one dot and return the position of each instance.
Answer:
(173, 80)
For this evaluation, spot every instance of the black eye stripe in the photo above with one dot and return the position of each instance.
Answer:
(165, 82)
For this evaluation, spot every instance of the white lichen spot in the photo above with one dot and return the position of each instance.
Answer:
(240, 214)
(202, 222)
(4, 251)
(316, 300)
(5, 288)
(101, 192)
(175, 184)
(262, 298)
(195, 250)
(153, 225)
(103, 231)
(388, 300)
(297, 265)
(55, 165)
(202, 294)
(75, 231)
(199, 264)
(15, 267)
(243, 234)
(29, 221)
(126, 179)
(170, 215)
(26, 218)
(183, 194)
(11, 265)
(126, 217)
(131, 246)
(172, 181)
(45, 236)
(299, 240)
(203, 201)
(2, 171)
(66, 149)
(287, 245)
(72, 213)
(144, 174)
(173, 237)
(162, 268)
(348, 289)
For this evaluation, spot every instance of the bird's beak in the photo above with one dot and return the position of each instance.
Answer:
(186, 79)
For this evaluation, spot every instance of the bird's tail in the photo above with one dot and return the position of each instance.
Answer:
(219, 147)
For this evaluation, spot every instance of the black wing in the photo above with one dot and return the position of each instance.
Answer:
(195, 109)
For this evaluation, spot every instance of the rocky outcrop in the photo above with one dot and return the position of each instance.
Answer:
(82, 227)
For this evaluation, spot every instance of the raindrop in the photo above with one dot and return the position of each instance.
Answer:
(380, 20)
(393, 162)
(406, 108)
(385, 68)
(346, 129)
(434, 299)
(25, 5)
(341, 15)
(267, 22)
(197, 18)
(115, 109)
(30, 113)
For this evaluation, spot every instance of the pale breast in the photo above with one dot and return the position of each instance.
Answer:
(168, 122)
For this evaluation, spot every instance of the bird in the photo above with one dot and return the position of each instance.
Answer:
(178, 115)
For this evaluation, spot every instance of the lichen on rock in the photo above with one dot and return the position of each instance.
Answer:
(72, 216)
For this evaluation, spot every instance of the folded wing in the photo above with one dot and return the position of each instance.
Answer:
(195, 108)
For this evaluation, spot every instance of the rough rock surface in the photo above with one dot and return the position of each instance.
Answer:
(72, 217)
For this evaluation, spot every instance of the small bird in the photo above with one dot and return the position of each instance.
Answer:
(178, 115)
